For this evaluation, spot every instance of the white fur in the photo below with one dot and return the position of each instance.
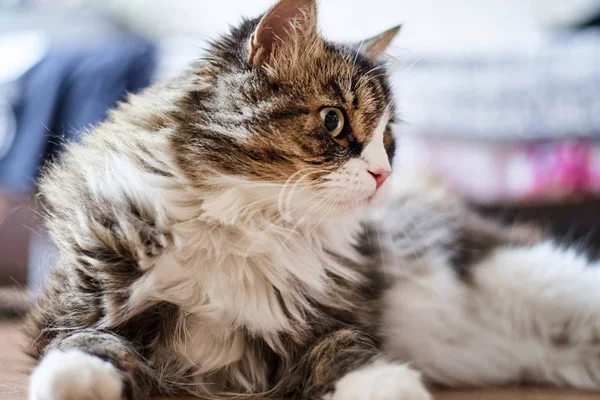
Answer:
(241, 247)
(374, 152)
(236, 247)
(226, 279)
(508, 326)
(234, 252)
(380, 381)
(74, 375)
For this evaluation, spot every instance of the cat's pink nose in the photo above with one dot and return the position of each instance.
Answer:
(380, 175)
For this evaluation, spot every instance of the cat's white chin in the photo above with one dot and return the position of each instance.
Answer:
(380, 196)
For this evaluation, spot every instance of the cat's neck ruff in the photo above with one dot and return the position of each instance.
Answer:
(229, 261)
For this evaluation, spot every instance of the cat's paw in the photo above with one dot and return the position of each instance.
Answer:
(74, 375)
(380, 381)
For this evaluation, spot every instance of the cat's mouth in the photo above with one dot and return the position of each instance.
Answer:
(360, 202)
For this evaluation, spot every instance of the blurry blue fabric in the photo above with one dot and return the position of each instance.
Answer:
(67, 92)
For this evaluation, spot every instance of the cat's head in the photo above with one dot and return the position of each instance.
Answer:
(281, 117)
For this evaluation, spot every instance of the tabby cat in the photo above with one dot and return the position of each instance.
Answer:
(228, 233)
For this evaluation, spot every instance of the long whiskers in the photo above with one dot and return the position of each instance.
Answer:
(283, 205)
(354, 65)
(295, 186)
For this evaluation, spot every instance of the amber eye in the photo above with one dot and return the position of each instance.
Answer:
(333, 120)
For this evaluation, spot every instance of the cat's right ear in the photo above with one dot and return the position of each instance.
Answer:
(285, 24)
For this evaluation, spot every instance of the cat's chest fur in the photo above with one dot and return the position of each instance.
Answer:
(258, 279)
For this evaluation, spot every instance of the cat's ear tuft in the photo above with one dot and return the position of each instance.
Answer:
(285, 23)
(377, 45)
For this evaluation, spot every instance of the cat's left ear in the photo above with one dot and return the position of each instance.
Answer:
(375, 46)
(286, 23)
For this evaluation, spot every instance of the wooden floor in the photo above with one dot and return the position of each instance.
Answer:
(14, 367)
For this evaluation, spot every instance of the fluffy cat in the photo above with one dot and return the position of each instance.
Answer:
(215, 237)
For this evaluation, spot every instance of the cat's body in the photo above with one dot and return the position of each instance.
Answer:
(213, 240)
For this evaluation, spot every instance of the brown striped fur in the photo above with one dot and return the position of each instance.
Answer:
(169, 184)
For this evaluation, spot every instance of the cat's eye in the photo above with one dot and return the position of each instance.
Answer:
(333, 120)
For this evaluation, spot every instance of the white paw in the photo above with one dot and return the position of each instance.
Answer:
(74, 375)
(381, 381)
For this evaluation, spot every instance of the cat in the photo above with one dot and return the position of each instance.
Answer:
(234, 232)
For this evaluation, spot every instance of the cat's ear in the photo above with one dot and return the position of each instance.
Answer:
(285, 23)
(375, 46)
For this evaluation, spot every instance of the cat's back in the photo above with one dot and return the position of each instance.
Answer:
(98, 197)
(117, 160)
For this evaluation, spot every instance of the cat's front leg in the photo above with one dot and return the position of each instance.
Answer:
(347, 365)
(91, 364)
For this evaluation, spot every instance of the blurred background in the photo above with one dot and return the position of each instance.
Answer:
(501, 98)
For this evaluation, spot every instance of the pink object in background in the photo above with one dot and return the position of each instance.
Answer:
(562, 167)
(489, 172)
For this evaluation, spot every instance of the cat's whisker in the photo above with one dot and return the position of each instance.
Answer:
(411, 66)
(266, 226)
(384, 265)
(324, 215)
(308, 212)
(295, 186)
(357, 53)
(247, 181)
(267, 205)
(280, 203)
(369, 75)
(302, 202)
(285, 206)
(323, 200)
